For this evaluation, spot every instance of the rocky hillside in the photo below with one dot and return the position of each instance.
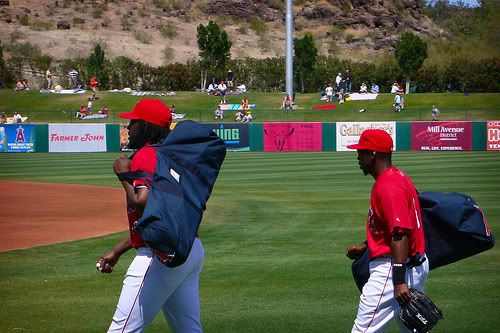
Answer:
(164, 31)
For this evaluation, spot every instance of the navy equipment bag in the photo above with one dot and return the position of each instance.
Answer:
(454, 226)
(188, 163)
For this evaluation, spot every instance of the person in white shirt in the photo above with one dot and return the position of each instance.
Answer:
(219, 114)
(363, 89)
(17, 119)
(211, 88)
(337, 80)
(222, 89)
(329, 92)
(397, 102)
(89, 106)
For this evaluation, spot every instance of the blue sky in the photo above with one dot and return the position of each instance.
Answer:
(471, 3)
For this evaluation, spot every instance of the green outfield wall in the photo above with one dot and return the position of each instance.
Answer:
(280, 136)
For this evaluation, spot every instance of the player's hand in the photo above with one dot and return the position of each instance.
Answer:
(106, 263)
(402, 293)
(122, 164)
(355, 251)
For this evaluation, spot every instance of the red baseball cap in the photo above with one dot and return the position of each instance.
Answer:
(151, 110)
(374, 139)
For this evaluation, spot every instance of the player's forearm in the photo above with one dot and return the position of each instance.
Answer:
(123, 246)
(399, 248)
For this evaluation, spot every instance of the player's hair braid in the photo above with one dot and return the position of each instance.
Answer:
(152, 133)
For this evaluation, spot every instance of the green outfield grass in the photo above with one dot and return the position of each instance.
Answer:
(275, 233)
(44, 108)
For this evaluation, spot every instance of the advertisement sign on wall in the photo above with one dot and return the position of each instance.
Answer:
(235, 136)
(441, 135)
(292, 137)
(348, 133)
(493, 135)
(77, 137)
(17, 138)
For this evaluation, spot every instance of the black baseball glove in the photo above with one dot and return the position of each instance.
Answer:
(420, 315)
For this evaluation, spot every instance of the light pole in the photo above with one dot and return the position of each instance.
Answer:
(289, 49)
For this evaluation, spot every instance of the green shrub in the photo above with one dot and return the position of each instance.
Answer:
(258, 26)
(42, 25)
(78, 20)
(106, 22)
(242, 29)
(25, 20)
(97, 12)
(16, 35)
(348, 37)
(167, 54)
(125, 23)
(168, 30)
(143, 37)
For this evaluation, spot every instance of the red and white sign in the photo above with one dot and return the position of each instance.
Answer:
(441, 135)
(348, 133)
(77, 137)
(493, 135)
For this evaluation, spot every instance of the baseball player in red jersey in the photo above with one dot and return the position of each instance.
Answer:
(395, 237)
(149, 286)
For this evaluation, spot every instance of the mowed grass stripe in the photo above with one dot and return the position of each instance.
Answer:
(275, 232)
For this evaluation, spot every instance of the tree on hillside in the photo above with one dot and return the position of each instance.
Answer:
(5, 76)
(215, 48)
(96, 66)
(305, 57)
(27, 58)
(410, 54)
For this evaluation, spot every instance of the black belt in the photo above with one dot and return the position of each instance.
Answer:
(413, 261)
(416, 260)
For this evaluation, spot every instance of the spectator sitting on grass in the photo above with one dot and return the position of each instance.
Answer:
(435, 113)
(19, 86)
(212, 87)
(329, 92)
(248, 117)
(81, 113)
(287, 103)
(240, 115)
(219, 113)
(363, 89)
(375, 88)
(3, 118)
(244, 103)
(17, 119)
(104, 111)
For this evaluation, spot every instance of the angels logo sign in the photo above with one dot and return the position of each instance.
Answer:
(18, 138)
(20, 135)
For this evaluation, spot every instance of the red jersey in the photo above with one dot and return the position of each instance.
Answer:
(93, 83)
(394, 204)
(143, 160)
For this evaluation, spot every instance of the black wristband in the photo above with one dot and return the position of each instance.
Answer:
(398, 273)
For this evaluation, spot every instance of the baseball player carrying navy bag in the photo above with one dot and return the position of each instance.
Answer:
(455, 228)
(167, 182)
(188, 163)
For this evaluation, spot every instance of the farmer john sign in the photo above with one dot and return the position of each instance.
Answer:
(77, 137)
(441, 135)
